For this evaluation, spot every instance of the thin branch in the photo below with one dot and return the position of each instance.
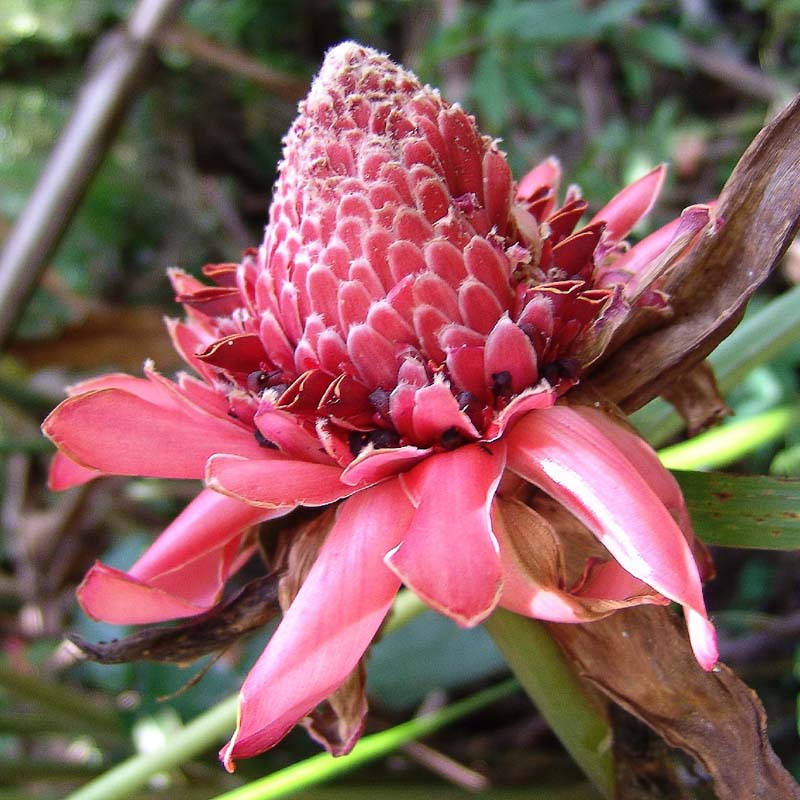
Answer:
(741, 76)
(116, 66)
(184, 38)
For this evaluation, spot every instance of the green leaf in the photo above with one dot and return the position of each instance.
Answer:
(730, 442)
(786, 462)
(760, 337)
(490, 90)
(660, 44)
(557, 21)
(430, 652)
(743, 511)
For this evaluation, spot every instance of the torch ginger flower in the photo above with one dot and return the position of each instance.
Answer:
(403, 344)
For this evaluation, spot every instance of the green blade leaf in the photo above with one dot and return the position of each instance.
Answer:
(728, 443)
(759, 338)
(322, 767)
(742, 510)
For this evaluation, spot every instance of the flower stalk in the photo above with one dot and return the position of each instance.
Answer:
(557, 692)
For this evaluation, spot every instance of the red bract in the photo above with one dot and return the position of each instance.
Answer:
(403, 343)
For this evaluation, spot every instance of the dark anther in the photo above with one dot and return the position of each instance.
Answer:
(501, 383)
(472, 407)
(452, 438)
(259, 380)
(357, 441)
(379, 400)
(465, 400)
(563, 369)
(279, 388)
(380, 439)
(264, 442)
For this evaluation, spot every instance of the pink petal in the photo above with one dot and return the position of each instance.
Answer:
(521, 593)
(65, 473)
(187, 340)
(111, 595)
(464, 153)
(449, 556)
(372, 466)
(485, 264)
(331, 622)
(497, 182)
(446, 261)
(508, 349)
(118, 433)
(271, 484)
(625, 209)
(479, 306)
(646, 462)
(287, 431)
(436, 411)
(559, 451)
(149, 389)
(548, 173)
(372, 355)
(432, 290)
(384, 318)
(539, 397)
(354, 303)
(182, 572)
(428, 321)
(533, 585)
(239, 352)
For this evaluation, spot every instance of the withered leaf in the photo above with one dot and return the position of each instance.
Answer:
(252, 607)
(642, 769)
(709, 288)
(697, 399)
(117, 336)
(338, 721)
(641, 659)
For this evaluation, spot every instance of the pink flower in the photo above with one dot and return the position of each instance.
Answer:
(403, 344)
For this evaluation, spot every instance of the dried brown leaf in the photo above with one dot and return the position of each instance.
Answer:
(710, 286)
(254, 606)
(337, 723)
(642, 660)
(697, 399)
(642, 767)
(115, 336)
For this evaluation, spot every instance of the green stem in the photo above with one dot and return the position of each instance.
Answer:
(729, 443)
(323, 767)
(120, 782)
(76, 709)
(557, 692)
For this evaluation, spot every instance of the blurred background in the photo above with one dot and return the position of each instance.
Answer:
(613, 88)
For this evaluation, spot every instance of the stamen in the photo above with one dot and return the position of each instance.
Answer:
(380, 439)
(452, 438)
(501, 383)
(263, 441)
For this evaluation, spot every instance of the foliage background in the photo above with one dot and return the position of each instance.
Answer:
(612, 88)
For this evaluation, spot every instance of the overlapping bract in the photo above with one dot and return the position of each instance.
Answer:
(398, 344)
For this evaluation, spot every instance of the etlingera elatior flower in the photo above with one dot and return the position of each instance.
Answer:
(399, 352)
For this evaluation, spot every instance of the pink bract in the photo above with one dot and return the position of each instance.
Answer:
(403, 343)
